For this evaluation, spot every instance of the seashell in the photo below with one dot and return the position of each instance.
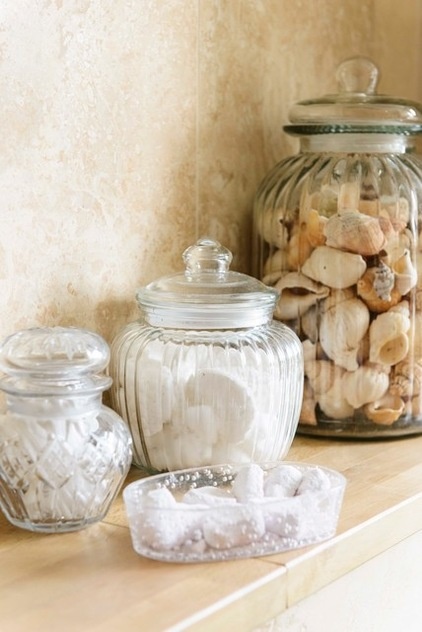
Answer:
(299, 248)
(315, 226)
(407, 379)
(388, 339)
(334, 404)
(365, 385)
(272, 227)
(297, 294)
(348, 197)
(376, 288)
(355, 232)
(406, 274)
(334, 268)
(325, 200)
(386, 410)
(343, 326)
(322, 374)
(274, 267)
(307, 413)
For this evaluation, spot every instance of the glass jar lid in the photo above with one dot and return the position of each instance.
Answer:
(207, 295)
(357, 107)
(54, 360)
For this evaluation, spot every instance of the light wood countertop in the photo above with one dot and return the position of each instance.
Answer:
(93, 580)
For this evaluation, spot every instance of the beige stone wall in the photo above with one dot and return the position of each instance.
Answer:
(131, 127)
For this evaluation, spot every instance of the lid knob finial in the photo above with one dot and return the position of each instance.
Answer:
(207, 256)
(357, 75)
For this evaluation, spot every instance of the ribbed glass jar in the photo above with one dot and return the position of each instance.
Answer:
(196, 392)
(337, 230)
(63, 454)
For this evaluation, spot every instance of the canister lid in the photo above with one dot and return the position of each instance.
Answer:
(207, 295)
(54, 360)
(357, 107)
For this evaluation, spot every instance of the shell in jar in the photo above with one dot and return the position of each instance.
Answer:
(344, 323)
(334, 268)
(388, 335)
(366, 384)
(407, 379)
(272, 227)
(386, 410)
(376, 288)
(355, 232)
(405, 272)
(297, 294)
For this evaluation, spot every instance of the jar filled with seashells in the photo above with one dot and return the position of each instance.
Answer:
(338, 232)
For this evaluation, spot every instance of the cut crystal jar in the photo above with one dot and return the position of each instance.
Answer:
(206, 376)
(337, 230)
(63, 455)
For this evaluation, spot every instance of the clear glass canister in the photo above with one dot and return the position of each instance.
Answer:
(206, 376)
(63, 454)
(337, 230)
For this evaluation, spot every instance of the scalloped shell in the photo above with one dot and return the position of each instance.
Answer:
(365, 385)
(355, 232)
(334, 268)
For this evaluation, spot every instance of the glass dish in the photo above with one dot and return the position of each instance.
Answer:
(231, 511)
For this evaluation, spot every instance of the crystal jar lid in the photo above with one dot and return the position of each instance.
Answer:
(54, 360)
(357, 107)
(207, 295)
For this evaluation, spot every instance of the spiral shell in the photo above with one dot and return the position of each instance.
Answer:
(406, 274)
(376, 288)
(334, 404)
(334, 268)
(388, 338)
(355, 232)
(321, 374)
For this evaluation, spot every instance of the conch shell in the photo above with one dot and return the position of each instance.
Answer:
(376, 288)
(297, 294)
(365, 385)
(406, 274)
(355, 232)
(388, 338)
(344, 322)
(386, 410)
(334, 268)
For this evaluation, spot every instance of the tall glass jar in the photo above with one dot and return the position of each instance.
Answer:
(63, 455)
(206, 376)
(337, 230)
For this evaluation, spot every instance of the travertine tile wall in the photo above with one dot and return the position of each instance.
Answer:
(131, 127)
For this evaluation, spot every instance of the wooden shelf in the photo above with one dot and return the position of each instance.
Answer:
(93, 580)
